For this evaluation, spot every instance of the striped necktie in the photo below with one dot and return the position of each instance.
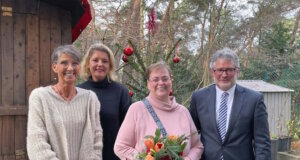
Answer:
(222, 119)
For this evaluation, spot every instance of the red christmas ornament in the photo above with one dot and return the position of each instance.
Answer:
(176, 59)
(128, 51)
(124, 58)
(130, 93)
(171, 93)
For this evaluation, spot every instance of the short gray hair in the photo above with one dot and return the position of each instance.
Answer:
(227, 54)
(65, 49)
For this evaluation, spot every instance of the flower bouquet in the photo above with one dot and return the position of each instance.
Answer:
(159, 148)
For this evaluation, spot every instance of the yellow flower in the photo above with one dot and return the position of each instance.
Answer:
(173, 138)
(149, 157)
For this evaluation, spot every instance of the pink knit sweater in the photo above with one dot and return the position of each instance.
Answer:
(138, 123)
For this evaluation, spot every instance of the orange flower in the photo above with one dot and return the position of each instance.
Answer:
(173, 138)
(158, 146)
(149, 143)
(149, 157)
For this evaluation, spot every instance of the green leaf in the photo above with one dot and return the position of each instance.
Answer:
(157, 133)
(182, 147)
(173, 154)
(175, 149)
(162, 153)
(148, 136)
(142, 155)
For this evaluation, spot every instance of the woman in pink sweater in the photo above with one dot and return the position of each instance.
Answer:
(174, 117)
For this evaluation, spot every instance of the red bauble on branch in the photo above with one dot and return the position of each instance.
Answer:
(130, 93)
(176, 59)
(124, 58)
(171, 93)
(128, 51)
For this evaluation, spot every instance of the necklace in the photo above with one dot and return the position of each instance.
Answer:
(60, 92)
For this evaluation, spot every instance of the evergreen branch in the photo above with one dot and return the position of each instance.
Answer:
(118, 48)
(188, 99)
(137, 69)
(173, 48)
(131, 77)
(139, 59)
(155, 57)
(122, 66)
(134, 65)
(136, 89)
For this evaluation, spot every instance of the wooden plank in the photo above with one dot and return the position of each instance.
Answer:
(20, 137)
(1, 129)
(32, 53)
(8, 136)
(9, 157)
(7, 55)
(45, 51)
(55, 35)
(0, 73)
(66, 27)
(26, 6)
(19, 59)
(13, 110)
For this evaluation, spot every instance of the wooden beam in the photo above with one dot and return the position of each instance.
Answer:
(45, 51)
(13, 110)
(20, 137)
(7, 50)
(55, 35)
(32, 53)
(8, 137)
(19, 73)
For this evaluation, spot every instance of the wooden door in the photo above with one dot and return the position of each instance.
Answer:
(30, 30)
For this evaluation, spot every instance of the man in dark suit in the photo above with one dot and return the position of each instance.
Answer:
(232, 120)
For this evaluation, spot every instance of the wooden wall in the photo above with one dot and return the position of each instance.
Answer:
(30, 30)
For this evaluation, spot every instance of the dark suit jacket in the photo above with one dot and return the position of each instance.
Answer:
(247, 136)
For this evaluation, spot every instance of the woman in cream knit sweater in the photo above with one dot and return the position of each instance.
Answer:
(63, 120)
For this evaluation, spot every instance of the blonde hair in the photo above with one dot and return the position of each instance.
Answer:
(85, 70)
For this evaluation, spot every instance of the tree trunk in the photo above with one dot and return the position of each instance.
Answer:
(170, 41)
(133, 33)
(293, 35)
(214, 22)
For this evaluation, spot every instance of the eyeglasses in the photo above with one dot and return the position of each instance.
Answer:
(229, 71)
(157, 79)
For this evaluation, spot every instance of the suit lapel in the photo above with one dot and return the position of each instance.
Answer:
(235, 109)
(212, 111)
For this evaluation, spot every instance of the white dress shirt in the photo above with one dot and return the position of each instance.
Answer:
(219, 93)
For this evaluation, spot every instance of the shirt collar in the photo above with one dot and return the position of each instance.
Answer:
(229, 91)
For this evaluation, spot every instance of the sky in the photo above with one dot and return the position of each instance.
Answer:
(242, 10)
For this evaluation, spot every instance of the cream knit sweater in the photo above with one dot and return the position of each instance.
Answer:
(61, 130)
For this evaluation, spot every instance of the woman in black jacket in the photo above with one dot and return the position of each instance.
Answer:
(98, 68)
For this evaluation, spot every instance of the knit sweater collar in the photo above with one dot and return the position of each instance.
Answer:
(99, 84)
(156, 103)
